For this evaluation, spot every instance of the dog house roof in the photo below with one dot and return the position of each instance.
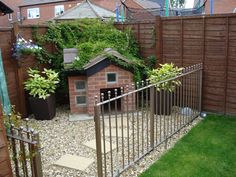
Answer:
(99, 62)
(107, 52)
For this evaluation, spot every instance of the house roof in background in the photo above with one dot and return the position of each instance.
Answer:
(147, 4)
(36, 2)
(160, 2)
(4, 9)
(86, 10)
(108, 4)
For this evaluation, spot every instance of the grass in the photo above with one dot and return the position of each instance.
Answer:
(209, 150)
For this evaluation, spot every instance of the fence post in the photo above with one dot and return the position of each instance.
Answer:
(98, 141)
(158, 40)
(37, 164)
(152, 104)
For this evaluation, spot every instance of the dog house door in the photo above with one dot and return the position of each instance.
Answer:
(112, 104)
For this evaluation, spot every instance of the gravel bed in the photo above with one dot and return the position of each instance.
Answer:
(60, 136)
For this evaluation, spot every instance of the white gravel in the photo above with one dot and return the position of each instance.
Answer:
(59, 137)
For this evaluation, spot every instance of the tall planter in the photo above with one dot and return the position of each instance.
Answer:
(163, 104)
(43, 109)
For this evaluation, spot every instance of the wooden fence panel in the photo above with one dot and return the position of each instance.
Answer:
(5, 165)
(210, 40)
(184, 41)
(9, 65)
(145, 33)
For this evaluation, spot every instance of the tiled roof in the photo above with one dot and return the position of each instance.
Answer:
(86, 10)
(5, 9)
(35, 2)
(160, 2)
(108, 4)
(146, 4)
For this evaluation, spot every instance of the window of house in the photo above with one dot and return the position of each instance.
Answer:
(111, 77)
(59, 10)
(10, 17)
(80, 85)
(234, 10)
(33, 13)
(81, 100)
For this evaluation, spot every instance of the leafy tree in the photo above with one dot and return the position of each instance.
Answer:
(177, 3)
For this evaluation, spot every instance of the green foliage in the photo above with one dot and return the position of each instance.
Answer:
(90, 37)
(207, 150)
(14, 118)
(151, 62)
(166, 71)
(41, 85)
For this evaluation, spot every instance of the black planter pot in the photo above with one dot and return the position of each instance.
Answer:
(43, 109)
(163, 103)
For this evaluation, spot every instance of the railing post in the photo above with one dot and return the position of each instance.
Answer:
(200, 89)
(98, 141)
(37, 164)
(152, 103)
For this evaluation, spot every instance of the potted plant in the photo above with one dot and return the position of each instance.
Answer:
(156, 76)
(41, 87)
(24, 50)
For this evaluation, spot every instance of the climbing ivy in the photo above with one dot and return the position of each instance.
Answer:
(90, 37)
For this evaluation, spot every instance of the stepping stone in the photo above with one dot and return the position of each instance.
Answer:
(113, 122)
(113, 132)
(74, 162)
(92, 144)
(79, 117)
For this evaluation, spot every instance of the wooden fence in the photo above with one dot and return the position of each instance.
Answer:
(5, 165)
(182, 40)
(16, 70)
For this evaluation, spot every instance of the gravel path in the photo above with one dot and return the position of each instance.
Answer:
(60, 137)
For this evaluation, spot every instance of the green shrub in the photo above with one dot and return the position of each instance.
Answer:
(41, 84)
(166, 71)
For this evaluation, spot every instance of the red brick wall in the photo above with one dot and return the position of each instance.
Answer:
(221, 6)
(47, 11)
(94, 84)
(98, 81)
(74, 108)
(13, 4)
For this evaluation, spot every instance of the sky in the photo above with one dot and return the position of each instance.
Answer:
(189, 4)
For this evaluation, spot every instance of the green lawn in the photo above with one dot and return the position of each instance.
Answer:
(209, 150)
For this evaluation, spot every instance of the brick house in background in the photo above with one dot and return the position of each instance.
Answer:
(40, 11)
(7, 20)
(99, 76)
(221, 6)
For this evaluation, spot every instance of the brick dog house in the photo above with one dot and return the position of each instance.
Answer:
(98, 76)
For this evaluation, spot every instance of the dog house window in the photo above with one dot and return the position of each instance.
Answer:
(80, 85)
(81, 100)
(111, 77)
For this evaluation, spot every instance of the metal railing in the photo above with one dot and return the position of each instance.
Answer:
(25, 151)
(144, 119)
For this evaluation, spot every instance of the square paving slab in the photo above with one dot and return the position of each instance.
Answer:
(92, 144)
(113, 132)
(79, 117)
(74, 162)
